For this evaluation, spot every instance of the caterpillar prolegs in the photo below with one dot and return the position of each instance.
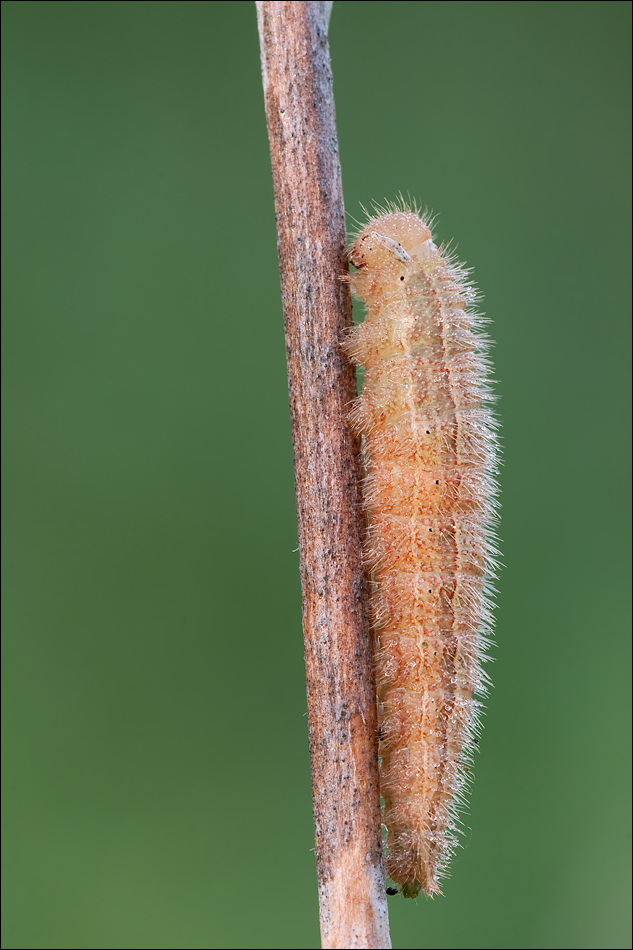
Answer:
(430, 456)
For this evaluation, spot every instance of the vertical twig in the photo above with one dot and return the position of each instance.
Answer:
(328, 473)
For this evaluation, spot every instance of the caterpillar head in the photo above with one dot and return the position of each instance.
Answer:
(386, 252)
(389, 239)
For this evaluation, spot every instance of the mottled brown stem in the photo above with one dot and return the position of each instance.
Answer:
(328, 472)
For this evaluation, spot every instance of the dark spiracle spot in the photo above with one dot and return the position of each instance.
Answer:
(392, 890)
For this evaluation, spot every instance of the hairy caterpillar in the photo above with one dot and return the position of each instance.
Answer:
(430, 455)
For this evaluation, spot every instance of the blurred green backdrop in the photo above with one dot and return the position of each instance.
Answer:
(157, 773)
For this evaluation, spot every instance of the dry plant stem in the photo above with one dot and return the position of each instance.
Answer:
(317, 309)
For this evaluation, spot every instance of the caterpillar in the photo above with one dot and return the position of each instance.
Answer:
(430, 455)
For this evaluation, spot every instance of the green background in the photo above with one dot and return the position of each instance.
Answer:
(156, 771)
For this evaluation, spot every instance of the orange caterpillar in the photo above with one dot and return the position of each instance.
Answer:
(430, 454)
